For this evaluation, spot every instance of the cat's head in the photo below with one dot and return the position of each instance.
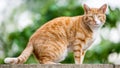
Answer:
(95, 17)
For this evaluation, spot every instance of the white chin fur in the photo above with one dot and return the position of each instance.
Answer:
(11, 60)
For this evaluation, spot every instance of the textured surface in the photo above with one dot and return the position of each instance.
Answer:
(117, 66)
(60, 66)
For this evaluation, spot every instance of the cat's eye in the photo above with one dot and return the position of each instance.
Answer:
(90, 15)
(99, 16)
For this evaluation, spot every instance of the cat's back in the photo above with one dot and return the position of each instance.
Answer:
(54, 22)
(52, 28)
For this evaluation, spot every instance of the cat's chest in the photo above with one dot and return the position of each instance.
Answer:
(95, 35)
(91, 41)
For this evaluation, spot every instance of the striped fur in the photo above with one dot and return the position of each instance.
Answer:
(50, 43)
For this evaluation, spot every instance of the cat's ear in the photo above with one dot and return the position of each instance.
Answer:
(103, 8)
(86, 8)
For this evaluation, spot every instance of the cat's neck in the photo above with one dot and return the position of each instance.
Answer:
(95, 29)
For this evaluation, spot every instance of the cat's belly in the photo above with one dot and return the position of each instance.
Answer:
(62, 57)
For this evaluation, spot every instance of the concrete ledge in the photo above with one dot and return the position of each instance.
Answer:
(117, 66)
(59, 66)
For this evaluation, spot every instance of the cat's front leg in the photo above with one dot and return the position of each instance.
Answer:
(82, 57)
(78, 54)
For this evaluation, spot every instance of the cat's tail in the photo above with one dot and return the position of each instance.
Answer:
(23, 57)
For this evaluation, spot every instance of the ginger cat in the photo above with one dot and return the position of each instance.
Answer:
(50, 43)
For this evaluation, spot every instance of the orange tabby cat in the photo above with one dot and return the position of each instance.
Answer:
(50, 43)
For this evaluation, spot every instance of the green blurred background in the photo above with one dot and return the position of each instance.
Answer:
(20, 21)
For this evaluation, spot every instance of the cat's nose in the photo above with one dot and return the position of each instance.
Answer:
(97, 23)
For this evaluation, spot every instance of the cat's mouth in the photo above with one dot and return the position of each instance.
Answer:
(96, 24)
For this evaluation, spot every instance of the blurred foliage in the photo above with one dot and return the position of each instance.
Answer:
(113, 17)
(47, 10)
(101, 52)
